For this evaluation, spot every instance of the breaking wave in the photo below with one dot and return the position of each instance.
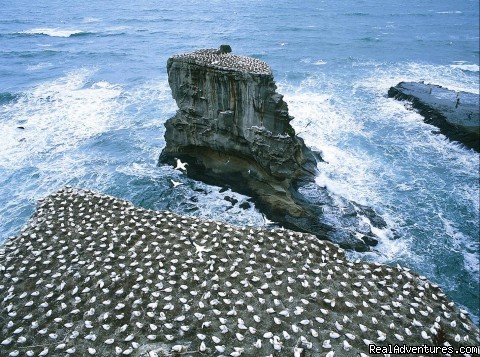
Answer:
(55, 32)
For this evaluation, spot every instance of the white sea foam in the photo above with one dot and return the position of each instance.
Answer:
(449, 12)
(384, 77)
(308, 60)
(118, 28)
(53, 32)
(147, 170)
(210, 203)
(326, 124)
(463, 245)
(89, 20)
(466, 67)
(441, 174)
(380, 153)
(57, 115)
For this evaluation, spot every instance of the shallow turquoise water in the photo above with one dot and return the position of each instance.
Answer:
(88, 83)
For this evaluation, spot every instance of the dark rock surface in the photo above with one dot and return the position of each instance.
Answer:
(233, 129)
(456, 114)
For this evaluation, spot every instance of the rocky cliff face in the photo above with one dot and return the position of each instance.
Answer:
(233, 129)
(229, 104)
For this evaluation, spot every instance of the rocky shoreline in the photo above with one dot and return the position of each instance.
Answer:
(93, 275)
(233, 129)
(456, 114)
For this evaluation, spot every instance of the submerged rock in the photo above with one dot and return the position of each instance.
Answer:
(233, 128)
(456, 114)
(94, 275)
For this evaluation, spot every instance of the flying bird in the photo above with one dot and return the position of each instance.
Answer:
(182, 166)
(176, 183)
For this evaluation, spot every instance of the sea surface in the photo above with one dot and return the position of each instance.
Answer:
(87, 83)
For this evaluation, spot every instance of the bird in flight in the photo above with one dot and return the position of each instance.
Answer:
(181, 165)
(176, 183)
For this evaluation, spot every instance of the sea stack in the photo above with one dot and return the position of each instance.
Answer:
(233, 129)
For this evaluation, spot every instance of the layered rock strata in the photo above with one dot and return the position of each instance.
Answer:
(456, 114)
(233, 129)
(94, 275)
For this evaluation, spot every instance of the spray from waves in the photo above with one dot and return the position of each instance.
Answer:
(90, 20)
(153, 189)
(154, 94)
(451, 77)
(54, 32)
(466, 66)
(328, 126)
(327, 123)
(56, 116)
(382, 154)
(39, 66)
(77, 131)
(308, 60)
(449, 12)
(462, 244)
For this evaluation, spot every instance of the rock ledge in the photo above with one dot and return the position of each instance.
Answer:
(456, 114)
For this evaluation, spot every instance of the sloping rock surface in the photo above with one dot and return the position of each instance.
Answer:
(456, 114)
(94, 275)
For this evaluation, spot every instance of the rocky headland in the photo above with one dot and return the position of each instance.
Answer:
(93, 275)
(233, 129)
(456, 114)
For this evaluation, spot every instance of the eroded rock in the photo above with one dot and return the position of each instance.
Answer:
(233, 128)
(456, 114)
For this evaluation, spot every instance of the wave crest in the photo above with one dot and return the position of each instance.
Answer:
(54, 32)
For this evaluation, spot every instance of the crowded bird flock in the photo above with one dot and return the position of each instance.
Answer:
(93, 275)
(217, 59)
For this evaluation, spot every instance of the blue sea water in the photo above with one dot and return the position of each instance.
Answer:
(88, 84)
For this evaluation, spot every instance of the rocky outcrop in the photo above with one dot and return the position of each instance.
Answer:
(93, 275)
(233, 128)
(456, 114)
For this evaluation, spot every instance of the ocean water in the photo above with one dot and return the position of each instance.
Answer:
(88, 84)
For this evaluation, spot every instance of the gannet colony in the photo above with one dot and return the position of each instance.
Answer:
(223, 59)
(93, 275)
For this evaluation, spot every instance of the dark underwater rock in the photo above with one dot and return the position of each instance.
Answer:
(456, 114)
